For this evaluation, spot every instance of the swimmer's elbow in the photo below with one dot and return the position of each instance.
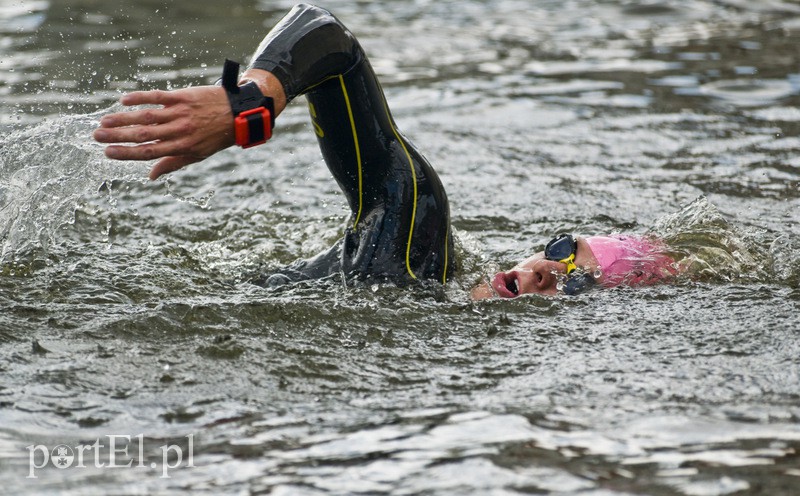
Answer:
(324, 29)
(306, 46)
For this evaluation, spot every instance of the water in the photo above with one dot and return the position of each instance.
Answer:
(123, 311)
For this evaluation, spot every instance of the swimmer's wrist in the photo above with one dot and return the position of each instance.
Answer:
(249, 77)
(253, 112)
(269, 85)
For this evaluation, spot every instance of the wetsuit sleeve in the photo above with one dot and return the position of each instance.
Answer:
(399, 225)
(307, 46)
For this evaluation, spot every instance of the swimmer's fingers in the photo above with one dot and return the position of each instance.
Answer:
(194, 124)
(145, 116)
(146, 151)
(142, 133)
(154, 97)
(171, 143)
(180, 138)
(137, 117)
(171, 164)
(205, 102)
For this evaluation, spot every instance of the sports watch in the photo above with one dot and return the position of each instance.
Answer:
(253, 113)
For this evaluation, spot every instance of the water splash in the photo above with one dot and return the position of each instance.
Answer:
(710, 247)
(785, 253)
(46, 172)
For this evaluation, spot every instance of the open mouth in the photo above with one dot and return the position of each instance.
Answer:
(506, 284)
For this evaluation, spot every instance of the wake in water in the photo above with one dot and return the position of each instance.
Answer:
(46, 172)
(709, 247)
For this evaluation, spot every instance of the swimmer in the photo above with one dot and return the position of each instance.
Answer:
(575, 264)
(399, 227)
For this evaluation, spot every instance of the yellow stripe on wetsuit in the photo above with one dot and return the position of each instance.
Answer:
(358, 151)
(413, 175)
(446, 234)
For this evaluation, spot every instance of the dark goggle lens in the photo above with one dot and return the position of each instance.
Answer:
(560, 248)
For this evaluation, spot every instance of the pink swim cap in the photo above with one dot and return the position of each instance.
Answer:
(631, 260)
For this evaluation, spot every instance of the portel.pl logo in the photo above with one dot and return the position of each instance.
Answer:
(113, 454)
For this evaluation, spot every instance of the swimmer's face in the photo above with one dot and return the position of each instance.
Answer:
(533, 275)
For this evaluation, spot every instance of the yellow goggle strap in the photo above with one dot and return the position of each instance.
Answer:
(570, 263)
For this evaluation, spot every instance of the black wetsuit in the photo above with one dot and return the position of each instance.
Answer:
(400, 223)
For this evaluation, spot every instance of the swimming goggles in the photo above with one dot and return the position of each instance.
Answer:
(562, 249)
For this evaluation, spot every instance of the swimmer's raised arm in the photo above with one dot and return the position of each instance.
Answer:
(192, 124)
(399, 226)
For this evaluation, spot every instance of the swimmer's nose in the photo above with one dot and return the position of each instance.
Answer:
(542, 278)
(544, 274)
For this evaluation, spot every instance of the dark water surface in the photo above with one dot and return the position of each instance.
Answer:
(122, 314)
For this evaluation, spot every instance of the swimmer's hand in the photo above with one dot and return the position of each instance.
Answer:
(193, 124)
(482, 291)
